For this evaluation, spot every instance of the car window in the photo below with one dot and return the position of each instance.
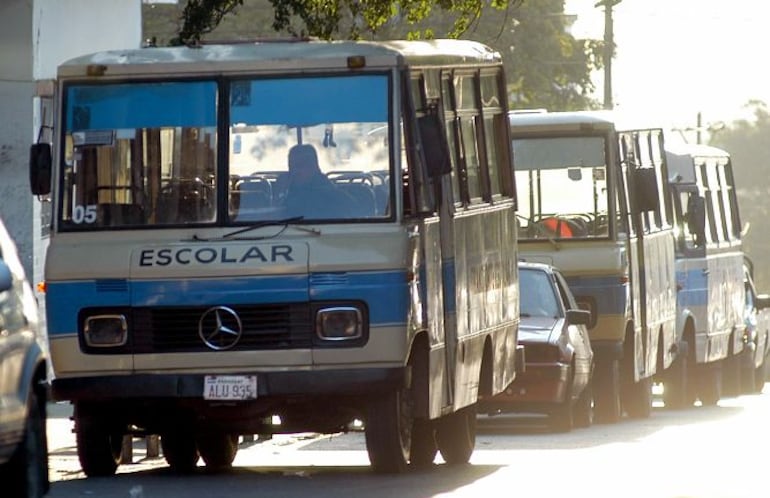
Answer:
(537, 294)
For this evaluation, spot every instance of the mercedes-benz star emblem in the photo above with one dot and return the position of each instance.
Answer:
(220, 328)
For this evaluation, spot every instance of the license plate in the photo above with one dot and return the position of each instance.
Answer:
(230, 387)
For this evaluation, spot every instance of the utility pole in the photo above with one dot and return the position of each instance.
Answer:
(609, 49)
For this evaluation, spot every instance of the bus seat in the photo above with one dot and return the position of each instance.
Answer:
(253, 193)
(363, 196)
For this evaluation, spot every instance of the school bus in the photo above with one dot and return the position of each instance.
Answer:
(592, 202)
(193, 292)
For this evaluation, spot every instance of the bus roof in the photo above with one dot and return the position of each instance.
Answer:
(538, 121)
(681, 159)
(278, 55)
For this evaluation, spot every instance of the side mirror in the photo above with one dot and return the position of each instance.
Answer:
(6, 279)
(40, 165)
(762, 301)
(434, 143)
(645, 190)
(579, 317)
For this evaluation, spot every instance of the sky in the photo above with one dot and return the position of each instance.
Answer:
(677, 58)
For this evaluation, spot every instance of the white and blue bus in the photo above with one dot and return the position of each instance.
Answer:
(709, 273)
(592, 202)
(280, 237)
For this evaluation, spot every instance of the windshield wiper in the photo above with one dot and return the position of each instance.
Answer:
(284, 223)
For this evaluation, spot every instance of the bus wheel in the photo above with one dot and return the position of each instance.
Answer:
(456, 435)
(424, 447)
(709, 388)
(388, 431)
(675, 389)
(731, 375)
(759, 376)
(179, 450)
(99, 444)
(217, 449)
(607, 392)
(637, 398)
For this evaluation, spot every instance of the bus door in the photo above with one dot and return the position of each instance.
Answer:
(428, 174)
(636, 250)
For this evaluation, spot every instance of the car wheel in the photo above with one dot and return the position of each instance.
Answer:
(179, 450)
(26, 473)
(99, 443)
(583, 411)
(217, 450)
(388, 431)
(456, 435)
(607, 392)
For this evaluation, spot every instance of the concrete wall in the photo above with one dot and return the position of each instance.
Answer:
(35, 36)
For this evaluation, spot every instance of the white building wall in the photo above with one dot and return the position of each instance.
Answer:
(35, 36)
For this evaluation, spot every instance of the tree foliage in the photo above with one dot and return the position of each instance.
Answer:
(329, 19)
(547, 67)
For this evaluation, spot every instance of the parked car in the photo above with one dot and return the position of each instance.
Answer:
(23, 367)
(757, 334)
(557, 352)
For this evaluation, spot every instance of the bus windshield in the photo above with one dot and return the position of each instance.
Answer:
(149, 153)
(562, 184)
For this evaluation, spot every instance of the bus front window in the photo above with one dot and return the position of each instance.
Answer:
(139, 154)
(562, 184)
(312, 147)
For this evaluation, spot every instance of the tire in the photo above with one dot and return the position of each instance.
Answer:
(388, 431)
(675, 388)
(26, 473)
(99, 443)
(561, 419)
(217, 450)
(760, 373)
(180, 451)
(424, 448)
(637, 398)
(606, 377)
(709, 383)
(731, 375)
(583, 411)
(456, 435)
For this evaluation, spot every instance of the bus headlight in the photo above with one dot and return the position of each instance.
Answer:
(340, 323)
(103, 331)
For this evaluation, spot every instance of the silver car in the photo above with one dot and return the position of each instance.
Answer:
(23, 367)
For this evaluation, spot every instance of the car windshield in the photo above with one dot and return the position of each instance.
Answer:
(537, 294)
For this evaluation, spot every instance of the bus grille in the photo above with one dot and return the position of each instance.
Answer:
(164, 330)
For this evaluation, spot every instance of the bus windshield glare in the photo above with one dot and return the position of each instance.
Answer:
(148, 153)
(562, 184)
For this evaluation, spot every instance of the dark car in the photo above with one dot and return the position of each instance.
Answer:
(557, 352)
(23, 366)
(757, 334)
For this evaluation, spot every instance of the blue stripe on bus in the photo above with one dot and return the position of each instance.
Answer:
(694, 290)
(609, 293)
(386, 294)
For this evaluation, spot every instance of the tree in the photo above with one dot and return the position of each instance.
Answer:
(546, 66)
(327, 19)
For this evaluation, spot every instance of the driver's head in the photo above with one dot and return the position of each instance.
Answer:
(303, 162)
